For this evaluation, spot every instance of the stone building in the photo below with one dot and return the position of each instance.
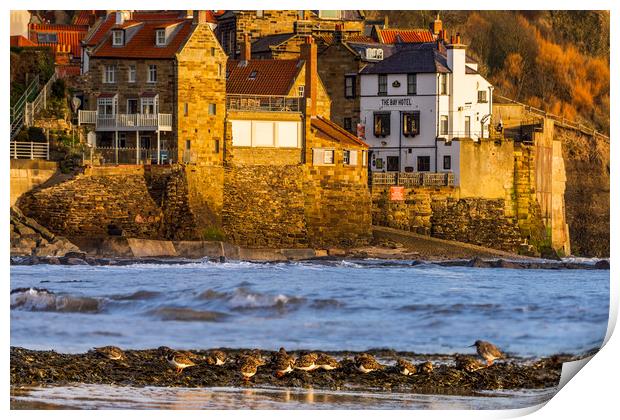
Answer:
(155, 90)
(232, 25)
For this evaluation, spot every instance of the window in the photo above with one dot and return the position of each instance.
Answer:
(188, 144)
(145, 142)
(347, 124)
(132, 106)
(382, 89)
(424, 163)
(118, 38)
(468, 126)
(49, 38)
(109, 74)
(150, 105)
(300, 91)
(374, 53)
(160, 37)
(131, 73)
(212, 51)
(252, 75)
(349, 87)
(185, 109)
(300, 14)
(219, 69)
(379, 163)
(411, 123)
(443, 125)
(382, 124)
(122, 140)
(412, 84)
(482, 96)
(328, 157)
(152, 75)
(349, 157)
(105, 106)
(443, 84)
(447, 162)
(260, 13)
(216, 145)
(212, 109)
(393, 164)
(329, 14)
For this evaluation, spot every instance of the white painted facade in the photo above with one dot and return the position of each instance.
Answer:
(434, 141)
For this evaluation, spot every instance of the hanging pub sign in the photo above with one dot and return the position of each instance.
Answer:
(361, 131)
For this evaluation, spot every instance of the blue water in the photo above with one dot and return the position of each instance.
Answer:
(336, 306)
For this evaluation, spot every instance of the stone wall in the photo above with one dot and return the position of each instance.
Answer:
(264, 206)
(28, 174)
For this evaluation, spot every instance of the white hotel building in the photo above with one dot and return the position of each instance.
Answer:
(419, 103)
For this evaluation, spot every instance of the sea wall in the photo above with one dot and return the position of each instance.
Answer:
(27, 174)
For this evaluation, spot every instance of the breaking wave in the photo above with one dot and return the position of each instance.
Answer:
(33, 299)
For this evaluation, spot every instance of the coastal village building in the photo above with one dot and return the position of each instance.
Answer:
(155, 89)
(418, 105)
(233, 24)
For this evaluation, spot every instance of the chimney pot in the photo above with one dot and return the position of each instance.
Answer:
(246, 47)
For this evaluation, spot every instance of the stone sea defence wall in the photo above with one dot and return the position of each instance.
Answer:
(132, 201)
(28, 174)
(264, 206)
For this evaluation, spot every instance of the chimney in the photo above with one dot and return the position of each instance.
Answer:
(386, 22)
(308, 54)
(338, 33)
(436, 26)
(199, 16)
(456, 59)
(120, 17)
(246, 48)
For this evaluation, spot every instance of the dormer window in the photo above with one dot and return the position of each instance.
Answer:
(374, 54)
(118, 38)
(252, 75)
(160, 37)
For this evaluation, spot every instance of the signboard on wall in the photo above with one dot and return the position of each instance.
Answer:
(397, 193)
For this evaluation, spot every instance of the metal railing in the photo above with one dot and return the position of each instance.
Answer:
(264, 103)
(30, 150)
(161, 122)
(413, 179)
(40, 102)
(18, 110)
(99, 156)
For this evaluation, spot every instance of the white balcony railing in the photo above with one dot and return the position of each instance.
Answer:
(161, 122)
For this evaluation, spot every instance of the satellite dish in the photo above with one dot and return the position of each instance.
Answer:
(75, 103)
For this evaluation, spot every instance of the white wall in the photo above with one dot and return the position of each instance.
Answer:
(259, 133)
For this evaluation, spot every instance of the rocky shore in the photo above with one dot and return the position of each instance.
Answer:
(148, 368)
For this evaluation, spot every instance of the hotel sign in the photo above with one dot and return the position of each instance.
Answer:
(396, 102)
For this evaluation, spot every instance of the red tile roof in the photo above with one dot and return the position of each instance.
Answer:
(69, 70)
(273, 77)
(336, 132)
(21, 41)
(142, 43)
(68, 37)
(393, 36)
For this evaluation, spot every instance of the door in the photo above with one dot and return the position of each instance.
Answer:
(132, 106)
(392, 164)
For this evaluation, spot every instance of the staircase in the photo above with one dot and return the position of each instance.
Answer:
(30, 104)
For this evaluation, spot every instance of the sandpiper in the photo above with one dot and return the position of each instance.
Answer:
(307, 362)
(216, 357)
(488, 351)
(283, 363)
(249, 368)
(165, 350)
(326, 362)
(110, 352)
(406, 368)
(178, 360)
(366, 363)
(468, 363)
(426, 367)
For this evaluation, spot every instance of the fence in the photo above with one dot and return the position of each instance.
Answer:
(30, 150)
(561, 121)
(413, 179)
(124, 155)
(264, 103)
(126, 121)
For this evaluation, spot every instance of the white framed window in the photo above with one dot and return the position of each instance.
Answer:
(149, 105)
(106, 107)
(443, 84)
(364, 158)
(374, 53)
(131, 73)
(118, 37)
(109, 74)
(301, 90)
(263, 134)
(443, 125)
(346, 157)
(212, 109)
(287, 134)
(160, 37)
(323, 157)
(152, 74)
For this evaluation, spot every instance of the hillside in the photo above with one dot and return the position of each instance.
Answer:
(554, 60)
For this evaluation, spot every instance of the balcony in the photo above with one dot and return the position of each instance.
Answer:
(126, 122)
(264, 103)
(413, 179)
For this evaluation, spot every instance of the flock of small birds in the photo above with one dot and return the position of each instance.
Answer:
(283, 363)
